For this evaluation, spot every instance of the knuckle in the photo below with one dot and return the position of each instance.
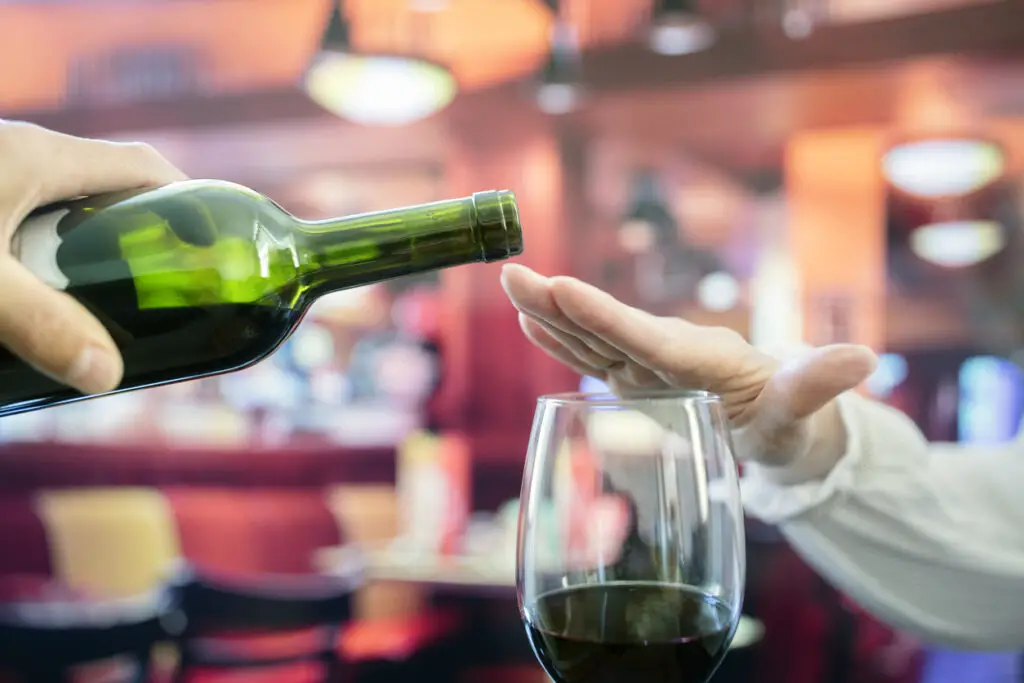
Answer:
(12, 130)
(22, 155)
(16, 140)
(151, 162)
(143, 155)
(148, 155)
(728, 336)
(143, 150)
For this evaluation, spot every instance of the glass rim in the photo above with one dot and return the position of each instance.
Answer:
(608, 398)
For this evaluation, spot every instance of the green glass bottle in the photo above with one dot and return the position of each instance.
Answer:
(203, 277)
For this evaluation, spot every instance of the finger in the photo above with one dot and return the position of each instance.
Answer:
(64, 166)
(806, 383)
(87, 167)
(576, 346)
(542, 339)
(54, 333)
(625, 375)
(531, 293)
(661, 344)
(631, 375)
(629, 331)
(778, 432)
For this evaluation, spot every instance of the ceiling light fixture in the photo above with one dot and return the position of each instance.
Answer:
(679, 29)
(958, 244)
(375, 89)
(943, 167)
(559, 90)
(648, 220)
(718, 291)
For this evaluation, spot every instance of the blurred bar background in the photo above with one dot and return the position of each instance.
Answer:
(798, 170)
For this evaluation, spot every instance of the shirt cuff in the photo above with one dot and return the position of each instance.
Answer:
(773, 502)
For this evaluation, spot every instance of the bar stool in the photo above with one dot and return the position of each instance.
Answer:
(274, 628)
(48, 636)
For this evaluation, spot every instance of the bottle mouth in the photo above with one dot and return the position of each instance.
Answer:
(497, 214)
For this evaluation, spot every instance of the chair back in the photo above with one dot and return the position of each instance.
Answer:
(42, 640)
(261, 622)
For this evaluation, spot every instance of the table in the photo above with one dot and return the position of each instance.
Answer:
(465, 574)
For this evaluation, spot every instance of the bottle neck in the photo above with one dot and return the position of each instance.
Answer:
(358, 250)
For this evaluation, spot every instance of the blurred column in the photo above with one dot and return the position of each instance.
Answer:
(493, 375)
(776, 320)
(836, 233)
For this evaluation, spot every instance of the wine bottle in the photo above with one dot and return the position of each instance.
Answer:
(203, 277)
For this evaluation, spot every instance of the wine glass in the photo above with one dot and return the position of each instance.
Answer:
(630, 563)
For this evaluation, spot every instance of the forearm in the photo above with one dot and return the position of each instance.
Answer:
(924, 537)
(936, 587)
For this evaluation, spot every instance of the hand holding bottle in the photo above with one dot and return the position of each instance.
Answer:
(49, 329)
(137, 280)
(780, 410)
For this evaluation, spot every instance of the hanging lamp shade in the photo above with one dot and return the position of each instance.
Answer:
(647, 223)
(560, 89)
(952, 232)
(934, 167)
(940, 147)
(558, 86)
(374, 89)
(958, 243)
(678, 28)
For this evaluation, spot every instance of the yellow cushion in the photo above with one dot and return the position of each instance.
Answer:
(109, 541)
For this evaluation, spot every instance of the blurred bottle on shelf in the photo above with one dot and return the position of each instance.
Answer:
(433, 487)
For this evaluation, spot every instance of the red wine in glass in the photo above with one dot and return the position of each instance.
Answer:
(627, 632)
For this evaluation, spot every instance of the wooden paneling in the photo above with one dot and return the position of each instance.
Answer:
(263, 45)
(254, 44)
(919, 324)
(240, 84)
(994, 28)
(241, 49)
(836, 204)
(273, 104)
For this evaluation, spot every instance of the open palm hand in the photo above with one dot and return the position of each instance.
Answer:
(769, 402)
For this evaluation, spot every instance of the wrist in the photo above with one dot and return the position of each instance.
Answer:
(823, 445)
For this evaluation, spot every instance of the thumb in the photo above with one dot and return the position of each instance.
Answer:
(778, 431)
(804, 384)
(54, 333)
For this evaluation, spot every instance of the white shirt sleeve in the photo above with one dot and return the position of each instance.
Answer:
(927, 537)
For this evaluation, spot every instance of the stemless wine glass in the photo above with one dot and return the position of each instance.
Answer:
(630, 554)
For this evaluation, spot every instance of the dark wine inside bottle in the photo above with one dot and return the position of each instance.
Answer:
(205, 277)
